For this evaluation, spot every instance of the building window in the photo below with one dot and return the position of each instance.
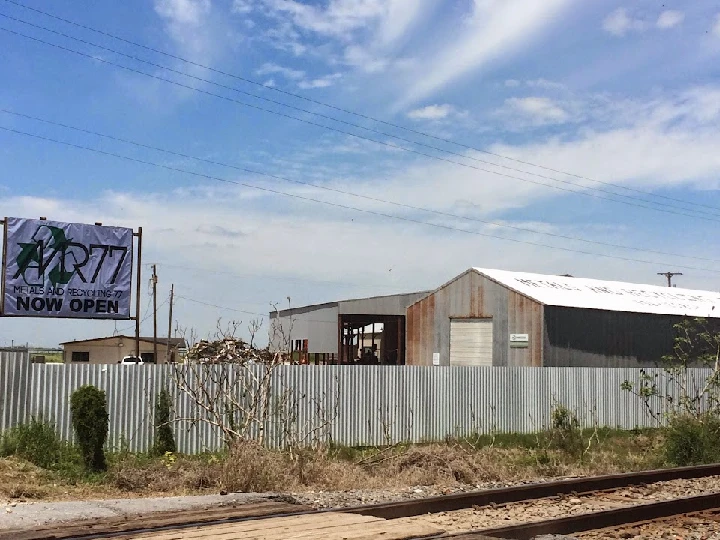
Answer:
(81, 356)
(148, 357)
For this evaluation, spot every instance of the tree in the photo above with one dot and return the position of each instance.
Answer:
(229, 381)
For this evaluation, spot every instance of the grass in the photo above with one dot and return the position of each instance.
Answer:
(249, 467)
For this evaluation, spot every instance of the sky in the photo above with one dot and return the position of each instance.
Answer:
(331, 149)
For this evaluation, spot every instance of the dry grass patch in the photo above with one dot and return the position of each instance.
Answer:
(22, 480)
(248, 467)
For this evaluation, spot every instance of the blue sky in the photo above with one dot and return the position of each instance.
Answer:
(625, 93)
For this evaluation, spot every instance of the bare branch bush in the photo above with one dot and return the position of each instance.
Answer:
(228, 382)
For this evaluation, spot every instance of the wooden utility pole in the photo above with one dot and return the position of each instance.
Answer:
(154, 286)
(138, 291)
(669, 276)
(172, 298)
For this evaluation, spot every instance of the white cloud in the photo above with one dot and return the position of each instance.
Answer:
(242, 6)
(535, 111)
(670, 19)
(716, 26)
(392, 18)
(187, 23)
(322, 82)
(340, 16)
(619, 23)
(183, 12)
(431, 112)
(399, 17)
(269, 68)
(494, 31)
(358, 56)
(545, 84)
(666, 142)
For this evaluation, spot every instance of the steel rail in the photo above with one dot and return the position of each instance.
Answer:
(444, 503)
(631, 515)
(448, 503)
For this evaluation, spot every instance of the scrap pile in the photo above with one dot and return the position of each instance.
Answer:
(229, 351)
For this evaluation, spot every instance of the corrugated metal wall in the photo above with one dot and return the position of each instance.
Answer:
(375, 404)
(473, 295)
(596, 338)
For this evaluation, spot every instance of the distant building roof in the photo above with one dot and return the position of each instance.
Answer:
(407, 298)
(173, 342)
(608, 295)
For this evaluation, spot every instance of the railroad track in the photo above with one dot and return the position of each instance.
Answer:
(427, 518)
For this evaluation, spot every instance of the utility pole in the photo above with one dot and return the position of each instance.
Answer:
(154, 286)
(172, 298)
(669, 276)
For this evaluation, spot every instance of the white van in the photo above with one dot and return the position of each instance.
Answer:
(132, 361)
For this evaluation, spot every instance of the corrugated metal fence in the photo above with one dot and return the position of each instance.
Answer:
(374, 405)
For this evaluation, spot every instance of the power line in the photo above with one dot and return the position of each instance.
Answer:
(383, 143)
(306, 111)
(265, 276)
(220, 307)
(343, 192)
(353, 113)
(338, 205)
(264, 316)
(146, 315)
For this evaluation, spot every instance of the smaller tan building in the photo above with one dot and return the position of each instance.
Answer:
(111, 350)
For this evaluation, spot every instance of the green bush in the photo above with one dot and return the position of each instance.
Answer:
(691, 440)
(164, 438)
(566, 434)
(36, 441)
(90, 421)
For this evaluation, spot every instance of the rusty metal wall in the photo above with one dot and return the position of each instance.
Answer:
(375, 405)
(473, 295)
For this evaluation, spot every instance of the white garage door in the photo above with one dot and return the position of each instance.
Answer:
(471, 342)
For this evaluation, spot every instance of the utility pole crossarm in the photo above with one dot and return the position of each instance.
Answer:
(669, 276)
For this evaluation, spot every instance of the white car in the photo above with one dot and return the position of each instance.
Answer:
(132, 361)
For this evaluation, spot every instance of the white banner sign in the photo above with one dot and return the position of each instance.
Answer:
(54, 269)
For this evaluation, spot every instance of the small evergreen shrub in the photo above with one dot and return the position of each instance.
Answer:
(90, 422)
(164, 437)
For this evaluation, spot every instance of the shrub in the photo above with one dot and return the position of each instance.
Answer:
(90, 421)
(249, 467)
(691, 440)
(37, 442)
(566, 434)
(164, 438)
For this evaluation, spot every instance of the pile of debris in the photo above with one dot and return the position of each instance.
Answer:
(229, 351)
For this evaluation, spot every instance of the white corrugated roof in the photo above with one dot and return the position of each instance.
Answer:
(608, 295)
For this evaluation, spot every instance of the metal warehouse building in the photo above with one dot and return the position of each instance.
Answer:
(499, 318)
(335, 331)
